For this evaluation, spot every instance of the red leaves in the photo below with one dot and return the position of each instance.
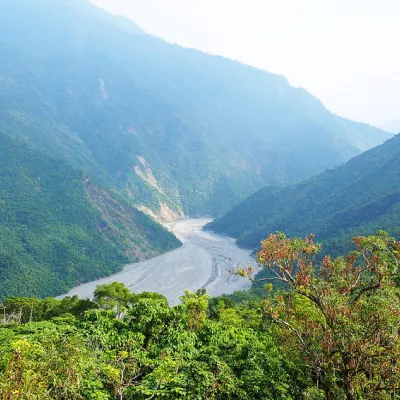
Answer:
(351, 259)
(346, 318)
(303, 279)
(289, 259)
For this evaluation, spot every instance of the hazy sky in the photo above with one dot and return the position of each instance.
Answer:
(345, 52)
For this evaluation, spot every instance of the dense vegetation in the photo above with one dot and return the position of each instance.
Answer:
(58, 229)
(178, 131)
(329, 335)
(357, 198)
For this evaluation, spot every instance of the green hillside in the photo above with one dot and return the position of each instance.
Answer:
(357, 198)
(58, 229)
(176, 130)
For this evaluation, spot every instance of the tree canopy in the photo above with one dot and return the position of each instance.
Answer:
(343, 315)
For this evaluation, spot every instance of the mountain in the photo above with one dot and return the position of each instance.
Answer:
(59, 229)
(393, 126)
(357, 198)
(176, 131)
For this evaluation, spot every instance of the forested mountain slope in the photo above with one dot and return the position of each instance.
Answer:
(178, 131)
(357, 198)
(58, 229)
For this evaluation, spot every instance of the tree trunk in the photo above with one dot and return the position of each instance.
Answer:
(347, 385)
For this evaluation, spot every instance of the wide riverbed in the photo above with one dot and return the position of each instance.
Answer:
(202, 262)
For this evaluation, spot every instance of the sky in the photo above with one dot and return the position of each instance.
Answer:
(345, 52)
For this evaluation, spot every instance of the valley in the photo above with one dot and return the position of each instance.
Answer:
(356, 198)
(202, 262)
(144, 183)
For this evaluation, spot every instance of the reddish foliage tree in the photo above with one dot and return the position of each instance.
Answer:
(343, 315)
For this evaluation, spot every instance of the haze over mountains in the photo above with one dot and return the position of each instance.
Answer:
(392, 126)
(171, 131)
(357, 198)
(178, 131)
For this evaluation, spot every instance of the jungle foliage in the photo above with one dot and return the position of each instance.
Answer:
(333, 333)
(125, 346)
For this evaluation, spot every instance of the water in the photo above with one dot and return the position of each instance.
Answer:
(202, 262)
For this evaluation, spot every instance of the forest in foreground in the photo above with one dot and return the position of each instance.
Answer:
(323, 331)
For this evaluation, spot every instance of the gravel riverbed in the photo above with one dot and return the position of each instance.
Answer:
(202, 262)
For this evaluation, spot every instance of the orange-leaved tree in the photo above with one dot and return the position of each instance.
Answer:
(343, 314)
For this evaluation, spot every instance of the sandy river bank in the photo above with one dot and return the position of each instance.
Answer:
(202, 261)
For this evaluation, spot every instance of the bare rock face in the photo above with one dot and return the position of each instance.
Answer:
(122, 223)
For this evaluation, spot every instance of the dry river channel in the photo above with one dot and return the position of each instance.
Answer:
(202, 262)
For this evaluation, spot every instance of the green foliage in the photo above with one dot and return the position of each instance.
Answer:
(48, 361)
(115, 295)
(150, 350)
(57, 231)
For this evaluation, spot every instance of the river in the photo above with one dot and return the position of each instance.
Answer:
(202, 262)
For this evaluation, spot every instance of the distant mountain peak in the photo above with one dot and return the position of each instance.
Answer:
(70, 8)
(90, 87)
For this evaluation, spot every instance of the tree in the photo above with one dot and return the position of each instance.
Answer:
(196, 306)
(19, 309)
(343, 315)
(114, 295)
(52, 363)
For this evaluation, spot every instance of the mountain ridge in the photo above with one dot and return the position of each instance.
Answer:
(212, 130)
(357, 198)
(59, 229)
